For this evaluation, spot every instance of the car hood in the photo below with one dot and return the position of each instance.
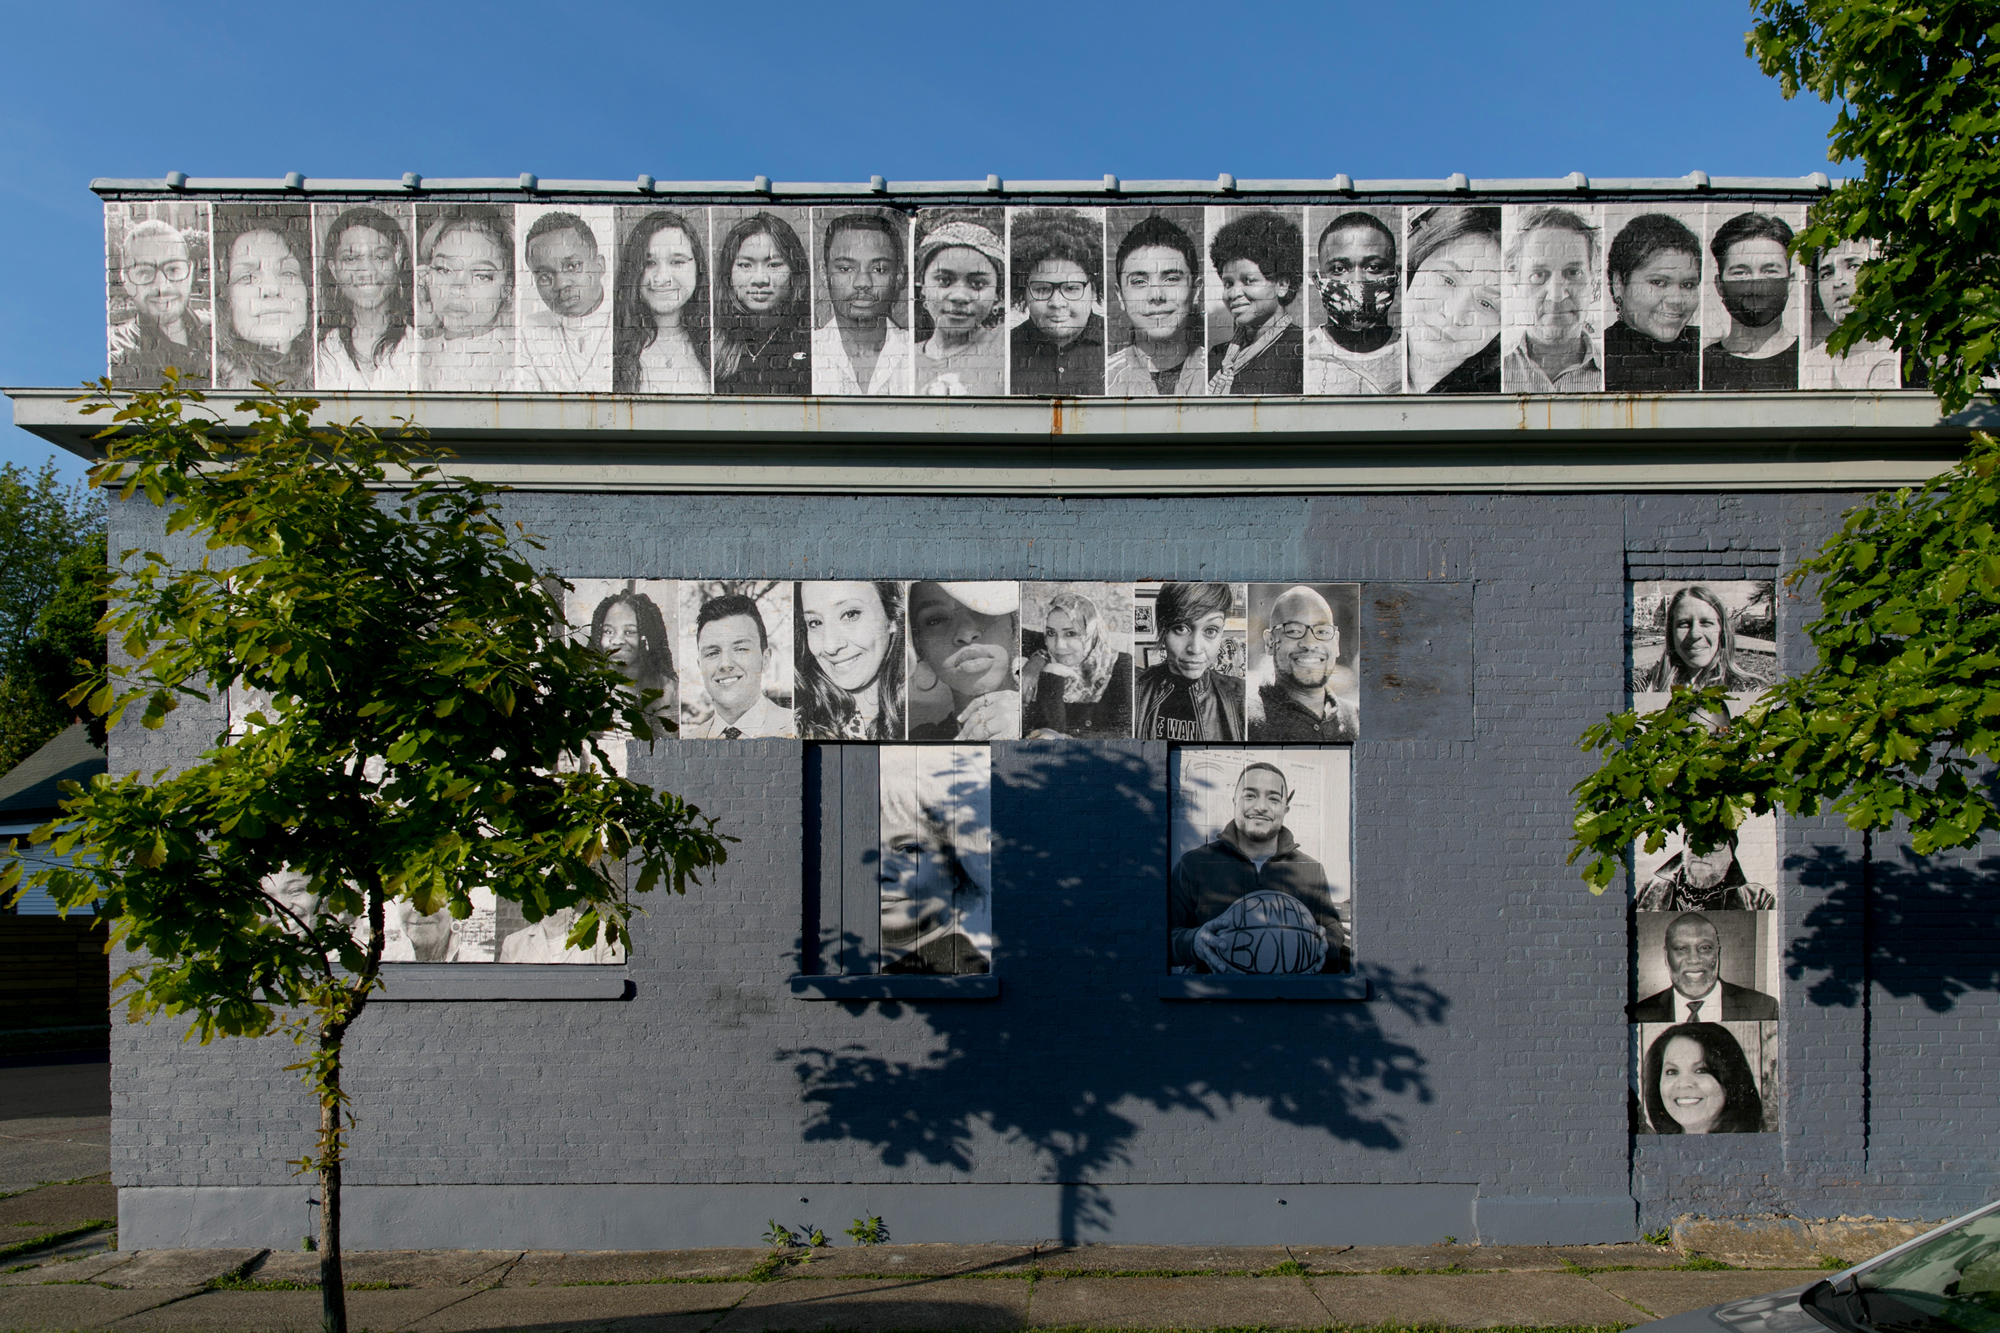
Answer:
(1778, 1312)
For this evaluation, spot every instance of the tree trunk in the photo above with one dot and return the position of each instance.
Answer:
(332, 1287)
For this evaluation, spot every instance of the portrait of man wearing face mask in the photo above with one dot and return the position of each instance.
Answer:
(1753, 275)
(1356, 349)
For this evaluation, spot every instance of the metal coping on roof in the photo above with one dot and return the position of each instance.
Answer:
(1223, 187)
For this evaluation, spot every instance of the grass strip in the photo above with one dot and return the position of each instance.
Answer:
(233, 1282)
(53, 1238)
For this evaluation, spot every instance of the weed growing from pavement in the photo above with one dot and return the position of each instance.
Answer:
(1832, 1261)
(1663, 1237)
(1701, 1263)
(53, 1238)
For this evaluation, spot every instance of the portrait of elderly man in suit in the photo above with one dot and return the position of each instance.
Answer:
(1698, 994)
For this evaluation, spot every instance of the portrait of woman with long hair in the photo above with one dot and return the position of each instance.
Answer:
(367, 303)
(848, 646)
(465, 297)
(1698, 1081)
(628, 628)
(660, 305)
(1452, 301)
(1700, 648)
(763, 309)
(264, 276)
(1078, 682)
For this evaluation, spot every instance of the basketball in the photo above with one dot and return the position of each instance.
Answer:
(1268, 933)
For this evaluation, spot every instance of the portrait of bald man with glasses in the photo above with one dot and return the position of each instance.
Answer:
(1305, 663)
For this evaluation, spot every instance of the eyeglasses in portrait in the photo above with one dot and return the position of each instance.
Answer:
(157, 293)
(1305, 662)
(1260, 879)
(1056, 302)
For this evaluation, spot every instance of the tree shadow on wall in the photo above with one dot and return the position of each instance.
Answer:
(1920, 927)
(1082, 1053)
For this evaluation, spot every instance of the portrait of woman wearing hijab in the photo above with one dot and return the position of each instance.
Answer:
(367, 303)
(848, 644)
(1700, 649)
(1453, 301)
(763, 316)
(961, 290)
(659, 304)
(628, 628)
(1259, 260)
(465, 297)
(1753, 276)
(1697, 1081)
(1077, 683)
(261, 335)
(1867, 365)
(1654, 346)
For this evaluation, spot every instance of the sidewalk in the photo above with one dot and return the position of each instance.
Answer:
(915, 1287)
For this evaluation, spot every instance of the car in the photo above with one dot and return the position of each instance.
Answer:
(1944, 1281)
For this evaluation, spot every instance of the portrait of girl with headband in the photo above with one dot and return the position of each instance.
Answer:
(961, 278)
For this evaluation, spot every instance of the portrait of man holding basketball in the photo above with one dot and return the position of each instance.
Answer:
(1250, 899)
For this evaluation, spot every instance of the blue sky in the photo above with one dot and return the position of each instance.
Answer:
(812, 92)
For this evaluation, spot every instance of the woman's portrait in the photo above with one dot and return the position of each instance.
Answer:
(1654, 345)
(965, 661)
(961, 303)
(1453, 300)
(465, 297)
(1077, 676)
(410, 936)
(630, 621)
(367, 298)
(659, 303)
(1700, 635)
(936, 859)
(763, 303)
(1257, 262)
(1354, 344)
(1190, 687)
(1154, 329)
(1697, 1078)
(1057, 341)
(848, 639)
(156, 303)
(547, 941)
(1832, 275)
(264, 272)
(1758, 349)
(1554, 261)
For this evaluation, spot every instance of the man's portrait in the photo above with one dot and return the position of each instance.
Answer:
(564, 277)
(1305, 662)
(736, 659)
(1260, 880)
(547, 941)
(1750, 309)
(1056, 344)
(1354, 288)
(157, 293)
(1154, 312)
(1552, 264)
(1700, 967)
(410, 936)
(1738, 875)
(862, 343)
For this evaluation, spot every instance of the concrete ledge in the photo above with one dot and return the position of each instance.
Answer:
(1573, 1220)
(1263, 988)
(418, 983)
(886, 987)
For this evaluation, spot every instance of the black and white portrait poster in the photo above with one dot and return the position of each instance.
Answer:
(264, 310)
(1255, 282)
(465, 297)
(1705, 1078)
(1830, 277)
(157, 293)
(965, 661)
(1056, 302)
(1552, 301)
(1741, 873)
(563, 271)
(763, 301)
(1191, 641)
(1704, 966)
(365, 265)
(547, 940)
(1154, 326)
(1076, 680)
(1353, 307)
(1261, 879)
(1753, 309)
(409, 936)
(1701, 634)
(936, 859)
(660, 297)
(961, 302)
(631, 621)
(862, 341)
(1305, 662)
(1451, 300)
(849, 640)
(1655, 273)
(736, 658)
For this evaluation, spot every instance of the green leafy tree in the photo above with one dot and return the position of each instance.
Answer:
(428, 728)
(1918, 87)
(1898, 716)
(44, 528)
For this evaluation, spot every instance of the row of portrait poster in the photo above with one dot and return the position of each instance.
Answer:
(492, 932)
(1122, 302)
(921, 660)
(1705, 932)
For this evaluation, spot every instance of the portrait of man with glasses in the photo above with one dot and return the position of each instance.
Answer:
(159, 293)
(1058, 273)
(1305, 650)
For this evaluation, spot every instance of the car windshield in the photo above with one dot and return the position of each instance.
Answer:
(1948, 1284)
